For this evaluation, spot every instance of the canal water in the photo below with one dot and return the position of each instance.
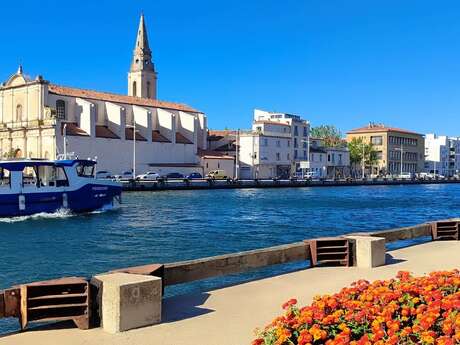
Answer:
(170, 226)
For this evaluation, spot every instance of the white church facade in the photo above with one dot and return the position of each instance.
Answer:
(35, 113)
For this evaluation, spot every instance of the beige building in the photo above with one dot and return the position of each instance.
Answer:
(390, 143)
(35, 113)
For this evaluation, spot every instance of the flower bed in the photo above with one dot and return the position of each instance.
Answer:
(404, 310)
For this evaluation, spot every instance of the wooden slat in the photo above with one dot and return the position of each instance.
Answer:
(186, 271)
(58, 306)
(70, 295)
(406, 233)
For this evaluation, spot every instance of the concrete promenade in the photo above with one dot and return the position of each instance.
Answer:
(228, 316)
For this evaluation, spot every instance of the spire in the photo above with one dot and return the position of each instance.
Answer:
(19, 69)
(142, 56)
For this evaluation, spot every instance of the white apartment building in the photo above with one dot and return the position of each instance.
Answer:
(275, 146)
(266, 151)
(300, 132)
(36, 116)
(442, 154)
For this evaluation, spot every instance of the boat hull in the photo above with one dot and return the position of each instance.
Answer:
(89, 197)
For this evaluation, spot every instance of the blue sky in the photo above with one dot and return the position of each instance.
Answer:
(333, 62)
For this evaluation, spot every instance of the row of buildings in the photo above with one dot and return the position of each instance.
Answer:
(137, 132)
(280, 145)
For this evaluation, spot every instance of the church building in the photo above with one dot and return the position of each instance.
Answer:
(37, 117)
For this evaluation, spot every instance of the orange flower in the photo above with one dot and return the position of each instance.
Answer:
(394, 311)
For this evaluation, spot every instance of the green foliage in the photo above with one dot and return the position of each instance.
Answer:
(331, 136)
(358, 148)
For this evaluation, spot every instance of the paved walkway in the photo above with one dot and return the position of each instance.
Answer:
(228, 316)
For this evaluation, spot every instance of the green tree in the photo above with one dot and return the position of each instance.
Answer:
(359, 149)
(331, 136)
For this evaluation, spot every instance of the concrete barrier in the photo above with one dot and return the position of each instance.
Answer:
(186, 271)
(405, 233)
(129, 301)
(368, 251)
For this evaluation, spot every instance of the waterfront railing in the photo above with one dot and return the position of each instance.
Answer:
(12, 304)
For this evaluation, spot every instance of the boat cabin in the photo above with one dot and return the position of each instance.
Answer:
(21, 175)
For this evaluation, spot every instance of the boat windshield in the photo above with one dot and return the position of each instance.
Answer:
(85, 170)
(44, 176)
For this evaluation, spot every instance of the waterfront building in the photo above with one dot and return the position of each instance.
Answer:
(318, 157)
(442, 154)
(215, 160)
(329, 162)
(275, 145)
(338, 162)
(38, 116)
(300, 132)
(223, 141)
(389, 143)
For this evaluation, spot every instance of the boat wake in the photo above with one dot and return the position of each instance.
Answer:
(59, 214)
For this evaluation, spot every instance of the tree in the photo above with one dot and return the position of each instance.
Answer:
(331, 136)
(359, 149)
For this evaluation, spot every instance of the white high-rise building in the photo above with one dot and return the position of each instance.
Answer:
(442, 154)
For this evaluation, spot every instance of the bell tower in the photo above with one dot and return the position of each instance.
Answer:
(142, 78)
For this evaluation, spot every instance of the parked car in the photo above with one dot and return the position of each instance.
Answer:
(312, 175)
(424, 175)
(125, 175)
(148, 176)
(217, 175)
(406, 176)
(194, 175)
(173, 175)
(103, 174)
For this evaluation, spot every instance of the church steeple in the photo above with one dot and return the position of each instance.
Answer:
(142, 77)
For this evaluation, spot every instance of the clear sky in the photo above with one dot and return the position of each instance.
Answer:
(333, 62)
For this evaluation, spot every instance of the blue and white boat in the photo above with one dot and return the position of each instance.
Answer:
(34, 186)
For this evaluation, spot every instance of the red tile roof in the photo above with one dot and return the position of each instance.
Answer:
(158, 137)
(379, 128)
(129, 135)
(222, 133)
(180, 139)
(210, 154)
(73, 130)
(105, 132)
(116, 98)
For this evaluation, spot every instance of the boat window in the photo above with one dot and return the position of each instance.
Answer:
(29, 176)
(51, 176)
(85, 170)
(4, 177)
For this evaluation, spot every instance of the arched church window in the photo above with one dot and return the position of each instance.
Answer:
(134, 89)
(148, 89)
(19, 113)
(60, 109)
